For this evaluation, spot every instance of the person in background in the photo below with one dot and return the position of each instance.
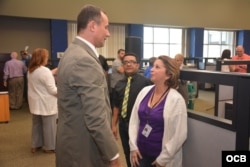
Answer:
(104, 64)
(148, 69)
(240, 55)
(54, 71)
(42, 98)
(158, 122)
(179, 58)
(14, 71)
(226, 55)
(117, 68)
(182, 88)
(105, 68)
(84, 135)
(117, 72)
(137, 82)
(26, 59)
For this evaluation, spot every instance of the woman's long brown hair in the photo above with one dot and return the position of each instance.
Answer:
(39, 58)
(171, 69)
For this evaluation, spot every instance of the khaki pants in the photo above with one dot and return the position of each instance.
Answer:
(15, 86)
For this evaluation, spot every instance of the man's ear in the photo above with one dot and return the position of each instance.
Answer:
(92, 25)
(138, 66)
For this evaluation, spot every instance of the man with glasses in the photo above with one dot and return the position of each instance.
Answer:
(240, 55)
(124, 95)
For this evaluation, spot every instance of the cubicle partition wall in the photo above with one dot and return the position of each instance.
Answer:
(224, 93)
(202, 63)
(209, 135)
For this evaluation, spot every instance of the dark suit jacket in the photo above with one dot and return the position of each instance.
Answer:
(84, 136)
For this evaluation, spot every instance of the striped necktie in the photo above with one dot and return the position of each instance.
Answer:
(125, 99)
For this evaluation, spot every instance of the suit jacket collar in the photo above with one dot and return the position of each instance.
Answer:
(86, 47)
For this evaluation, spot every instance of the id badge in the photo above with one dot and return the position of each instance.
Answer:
(147, 130)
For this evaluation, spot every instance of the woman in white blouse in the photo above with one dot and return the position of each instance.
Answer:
(158, 122)
(42, 92)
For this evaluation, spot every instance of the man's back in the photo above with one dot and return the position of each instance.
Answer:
(14, 68)
(116, 75)
(242, 68)
(83, 105)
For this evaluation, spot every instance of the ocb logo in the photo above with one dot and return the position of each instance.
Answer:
(236, 158)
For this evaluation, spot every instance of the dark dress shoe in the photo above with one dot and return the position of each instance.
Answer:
(49, 151)
(33, 150)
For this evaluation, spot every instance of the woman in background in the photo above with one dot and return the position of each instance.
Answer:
(158, 123)
(226, 55)
(42, 92)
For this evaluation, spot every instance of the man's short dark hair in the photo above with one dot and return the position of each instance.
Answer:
(120, 50)
(87, 14)
(131, 54)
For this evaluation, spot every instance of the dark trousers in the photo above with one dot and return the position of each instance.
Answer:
(123, 130)
(25, 90)
(146, 161)
(112, 98)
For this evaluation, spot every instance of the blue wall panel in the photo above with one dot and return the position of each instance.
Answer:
(243, 38)
(196, 42)
(59, 39)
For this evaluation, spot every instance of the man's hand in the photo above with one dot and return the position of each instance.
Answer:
(114, 130)
(115, 163)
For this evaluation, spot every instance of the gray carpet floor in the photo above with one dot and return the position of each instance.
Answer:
(15, 143)
(15, 137)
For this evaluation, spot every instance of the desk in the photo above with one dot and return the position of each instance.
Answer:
(4, 107)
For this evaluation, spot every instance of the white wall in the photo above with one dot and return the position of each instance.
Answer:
(233, 14)
(205, 143)
(16, 33)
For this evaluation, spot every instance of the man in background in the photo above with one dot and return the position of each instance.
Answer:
(84, 135)
(26, 60)
(105, 68)
(117, 71)
(25, 57)
(14, 70)
(121, 110)
(240, 55)
(147, 72)
(104, 64)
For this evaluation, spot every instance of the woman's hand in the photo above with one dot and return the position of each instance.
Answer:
(134, 155)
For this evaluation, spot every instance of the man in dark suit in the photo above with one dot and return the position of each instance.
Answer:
(137, 82)
(84, 136)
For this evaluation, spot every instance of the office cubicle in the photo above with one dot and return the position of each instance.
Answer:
(209, 135)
